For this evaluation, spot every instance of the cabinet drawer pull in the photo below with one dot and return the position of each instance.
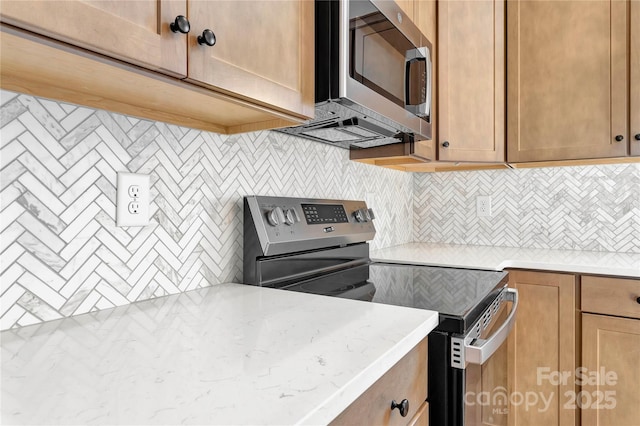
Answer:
(637, 137)
(638, 300)
(180, 25)
(619, 138)
(403, 407)
(207, 38)
(445, 144)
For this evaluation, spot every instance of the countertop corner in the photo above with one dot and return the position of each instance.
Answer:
(225, 354)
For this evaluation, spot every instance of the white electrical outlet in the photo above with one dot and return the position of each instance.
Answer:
(483, 206)
(132, 199)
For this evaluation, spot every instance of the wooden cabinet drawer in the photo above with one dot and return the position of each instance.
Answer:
(422, 416)
(407, 379)
(611, 296)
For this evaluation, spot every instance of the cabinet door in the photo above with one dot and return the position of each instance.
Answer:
(425, 18)
(635, 78)
(471, 80)
(611, 348)
(133, 31)
(541, 345)
(263, 52)
(567, 89)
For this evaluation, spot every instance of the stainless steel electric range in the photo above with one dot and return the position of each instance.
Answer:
(320, 246)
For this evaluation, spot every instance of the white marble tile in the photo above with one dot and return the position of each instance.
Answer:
(36, 148)
(75, 117)
(10, 151)
(85, 195)
(83, 220)
(41, 231)
(10, 254)
(11, 233)
(41, 182)
(78, 150)
(40, 209)
(11, 295)
(10, 317)
(79, 275)
(42, 255)
(80, 167)
(42, 125)
(111, 151)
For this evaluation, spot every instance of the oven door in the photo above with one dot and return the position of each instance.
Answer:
(486, 397)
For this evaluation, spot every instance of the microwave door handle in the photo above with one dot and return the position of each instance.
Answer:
(413, 56)
(427, 83)
(482, 349)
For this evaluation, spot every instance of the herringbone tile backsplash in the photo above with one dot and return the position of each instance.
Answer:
(63, 255)
(594, 208)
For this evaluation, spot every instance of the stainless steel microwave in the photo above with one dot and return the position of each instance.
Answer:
(372, 76)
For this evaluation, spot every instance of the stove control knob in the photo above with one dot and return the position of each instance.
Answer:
(275, 217)
(291, 216)
(362, 215)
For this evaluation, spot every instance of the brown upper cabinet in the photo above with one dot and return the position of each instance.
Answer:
(136, 32)
(254, 59)
(567, 82)
(635, 78)
(471, 84)
(264, 51)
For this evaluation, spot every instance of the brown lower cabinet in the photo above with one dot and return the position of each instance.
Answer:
(541, 346)
(407, 379)
(610, 379)
(574, 352)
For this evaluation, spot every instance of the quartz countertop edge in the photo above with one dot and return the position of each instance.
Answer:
(329, 409)
(500, 258)
(224, 354)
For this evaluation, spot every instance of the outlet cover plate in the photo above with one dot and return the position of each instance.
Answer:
(123, 198)
(483, 206)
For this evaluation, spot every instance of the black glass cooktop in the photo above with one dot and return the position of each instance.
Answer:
(458, 295)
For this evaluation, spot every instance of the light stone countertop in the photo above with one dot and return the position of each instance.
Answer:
(500, 258)
(226, 354)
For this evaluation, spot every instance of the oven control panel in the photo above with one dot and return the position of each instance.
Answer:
(324, 213)
(308, 223)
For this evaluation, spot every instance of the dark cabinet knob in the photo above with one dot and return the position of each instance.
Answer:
(619, 138)
(180, 25)
(207, 38)
(637, 137)
(403, 407)
(445, 144)
(638, 300)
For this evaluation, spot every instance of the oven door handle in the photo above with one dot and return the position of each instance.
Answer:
(481, 350)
